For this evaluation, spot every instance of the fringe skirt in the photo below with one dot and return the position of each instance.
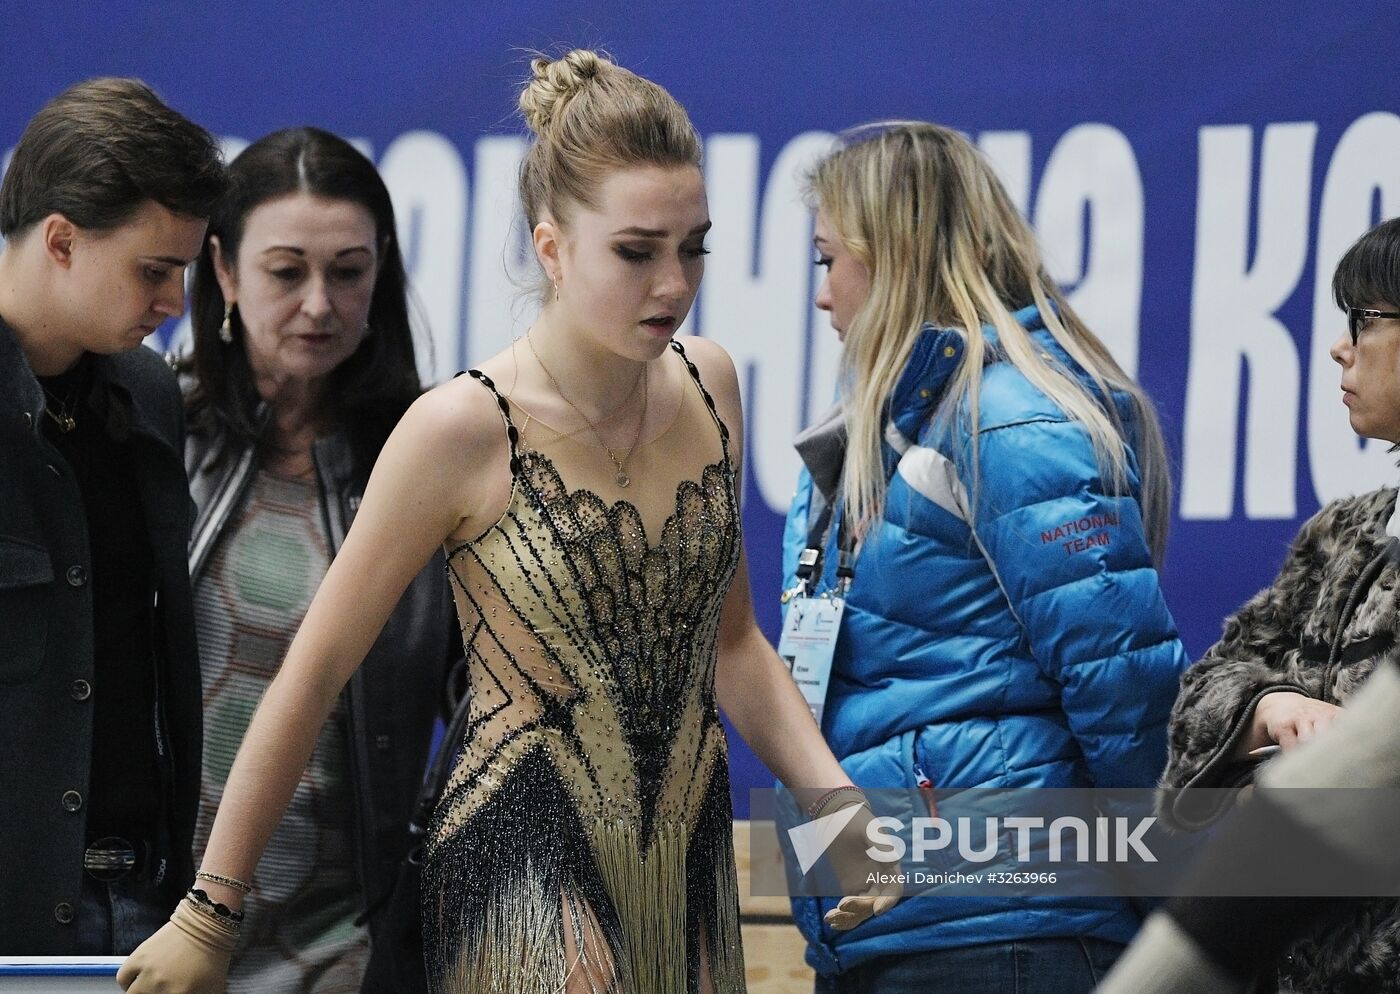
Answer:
(642, 900)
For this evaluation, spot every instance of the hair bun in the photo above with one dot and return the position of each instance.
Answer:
(554, 82)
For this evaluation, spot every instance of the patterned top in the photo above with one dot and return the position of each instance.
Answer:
(588, 814)
(299, 933)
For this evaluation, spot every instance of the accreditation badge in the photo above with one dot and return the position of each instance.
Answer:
(808, 644)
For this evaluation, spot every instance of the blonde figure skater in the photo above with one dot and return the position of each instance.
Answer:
(584, 486)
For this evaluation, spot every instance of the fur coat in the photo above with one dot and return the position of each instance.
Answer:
(1282, 639)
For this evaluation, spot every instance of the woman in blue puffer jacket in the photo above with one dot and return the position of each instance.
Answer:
(1005, 489)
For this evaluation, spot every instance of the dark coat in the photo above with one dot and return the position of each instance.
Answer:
(46, 641)
(394, 697)
(1281, 640)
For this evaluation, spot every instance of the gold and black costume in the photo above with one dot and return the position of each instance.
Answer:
(588, 812)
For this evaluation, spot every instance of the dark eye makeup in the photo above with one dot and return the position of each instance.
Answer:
(637, 255)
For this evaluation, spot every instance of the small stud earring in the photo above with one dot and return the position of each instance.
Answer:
(226, 329)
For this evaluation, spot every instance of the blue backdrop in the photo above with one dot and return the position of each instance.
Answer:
(1193, 171)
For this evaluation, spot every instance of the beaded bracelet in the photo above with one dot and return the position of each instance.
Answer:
(218, 909)
(226, 926)
(821, 802)
(219, 878)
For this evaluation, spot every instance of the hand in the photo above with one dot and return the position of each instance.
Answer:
(860, 877)
(188, 955)
(1289, 719)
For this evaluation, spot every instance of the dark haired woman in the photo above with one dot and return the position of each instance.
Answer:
(303, 363)
(1291, 658)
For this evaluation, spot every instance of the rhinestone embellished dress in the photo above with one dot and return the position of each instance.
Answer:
(588, 815)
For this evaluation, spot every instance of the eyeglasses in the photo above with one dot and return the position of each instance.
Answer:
(1359, 317)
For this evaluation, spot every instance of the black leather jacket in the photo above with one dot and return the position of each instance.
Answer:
(395, 695)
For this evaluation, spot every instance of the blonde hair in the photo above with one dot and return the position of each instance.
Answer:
(922, 210)
(591, 116)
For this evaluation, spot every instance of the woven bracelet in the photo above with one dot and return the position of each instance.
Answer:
(219, 878)
(821, 802)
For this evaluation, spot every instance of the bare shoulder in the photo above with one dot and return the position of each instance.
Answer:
(460, 416)
(450, 450)
(717, 372)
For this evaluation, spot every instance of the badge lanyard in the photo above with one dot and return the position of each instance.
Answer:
(812, 623)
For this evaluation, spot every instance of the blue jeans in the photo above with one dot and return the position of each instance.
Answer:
(1028, 966)
(113, 919)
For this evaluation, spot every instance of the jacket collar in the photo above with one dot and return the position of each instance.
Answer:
(19, 388)
(936, 355)
(110, 398)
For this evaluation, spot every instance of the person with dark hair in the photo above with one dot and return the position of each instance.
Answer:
(1292, 657)
(303, 362)
(104, 204)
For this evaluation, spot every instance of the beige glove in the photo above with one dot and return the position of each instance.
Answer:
(865, 898)
(189, 955)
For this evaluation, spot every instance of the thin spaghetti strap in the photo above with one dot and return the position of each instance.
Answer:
(709, 401)
(512, 433)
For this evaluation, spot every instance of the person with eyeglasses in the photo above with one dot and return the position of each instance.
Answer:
(1292, 657)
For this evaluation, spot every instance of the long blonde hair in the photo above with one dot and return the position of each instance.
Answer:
(919, 206)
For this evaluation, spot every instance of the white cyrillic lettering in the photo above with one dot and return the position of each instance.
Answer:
(1009, 153)
(1233, 302)
(428, 183)
(502, 258)
(756, 298)
(232, 146)
(1093, 172)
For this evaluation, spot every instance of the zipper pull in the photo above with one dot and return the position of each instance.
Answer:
(925, 786)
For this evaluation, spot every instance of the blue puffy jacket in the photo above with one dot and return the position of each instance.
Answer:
(1030, 647)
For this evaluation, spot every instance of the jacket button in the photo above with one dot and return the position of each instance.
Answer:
(72, 800)
(28, 420)
(949, 351)
(80, 691)
(63, 913)
(925, 394)
(77, 576)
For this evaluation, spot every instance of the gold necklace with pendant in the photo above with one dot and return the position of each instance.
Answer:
(64, 418)
(621, 477)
